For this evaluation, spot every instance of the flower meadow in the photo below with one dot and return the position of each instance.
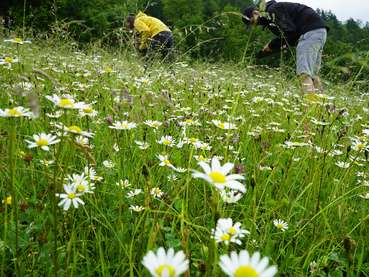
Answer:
(112, 168)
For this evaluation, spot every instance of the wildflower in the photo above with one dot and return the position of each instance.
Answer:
(239, 265)
(165, 264)
(227, 232)
(81, 140)
(172, 177)
(217, 175)
(153, 123)
(91, 174)
(7, 200)
(359, 146)
(16, 112)
(230, 196)
(156, 192)
(70, 197)
(43, 141)
(201, 158)
(87, 110)
(280, 224)
(123, 125)
(65, 102)
(75, 130)
(134, 193)
(116, 147)
(17, 41)
(365, 196)
(47, 162)
(224, 125)
(123, 184)
(142, 144)
(108, 164)
(136, 208)
(167, 141)
(342, 164)
(81, 183)
(8, 61)
(164, 161)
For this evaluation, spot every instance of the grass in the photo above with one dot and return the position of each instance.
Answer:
(286, 146)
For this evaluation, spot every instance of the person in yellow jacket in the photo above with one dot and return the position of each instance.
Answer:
(154, 34)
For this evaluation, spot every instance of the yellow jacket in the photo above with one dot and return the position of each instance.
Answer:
(148, 27)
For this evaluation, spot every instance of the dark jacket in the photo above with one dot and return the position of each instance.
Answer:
(289, 21)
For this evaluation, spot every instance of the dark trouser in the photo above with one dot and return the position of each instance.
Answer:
(162, 42)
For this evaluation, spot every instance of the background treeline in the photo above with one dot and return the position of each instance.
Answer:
(208, 29)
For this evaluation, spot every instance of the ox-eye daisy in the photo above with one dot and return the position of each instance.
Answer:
(280, 224)
(227, 232)
(69, 197)
(16, 112)
(224, 125)
(43, 141)
(242, 265)
(165, 264)
(65, 102)
(123, 125)
(217, 175)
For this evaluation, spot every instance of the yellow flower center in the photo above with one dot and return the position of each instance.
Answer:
(193, 140)
(71, 195)
(74, 129)
(88, 110)
(217, 177)
(221, 125)
(8, 59)
(108, 69)
(81, 188)
(361, 146)
(66, 103)
(166, 142)
(225, 237)
(14, 112)
(18, 40)
(165, 267)
(232, 231)
(8, 200)
(245, 271)
(279, 226)
(124, 125)
(188, 120)
(166, 162)
(42, 142)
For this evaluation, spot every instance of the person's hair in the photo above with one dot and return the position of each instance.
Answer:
(247, 14)
(130, 20)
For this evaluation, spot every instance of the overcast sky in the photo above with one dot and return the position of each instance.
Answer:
(343, 9)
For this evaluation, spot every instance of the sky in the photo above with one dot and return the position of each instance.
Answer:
(343, 9)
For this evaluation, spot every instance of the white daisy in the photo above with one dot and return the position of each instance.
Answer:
(65, 102)
(16, 112)
(217, 175)
(164, 161)
(123, 125)
(280, 224)
(136, 208)
(43, 141)
(165, 264)
(167, 141)
(230, 196)
(226, 232)
(224, 125)
(156, 192)
(134, 193)
(17, 41)
(242, 265)
(69, 197)
(153, 123)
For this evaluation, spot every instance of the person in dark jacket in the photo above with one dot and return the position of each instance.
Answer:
(294, 25)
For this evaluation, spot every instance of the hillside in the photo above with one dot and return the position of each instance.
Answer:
(125, 142)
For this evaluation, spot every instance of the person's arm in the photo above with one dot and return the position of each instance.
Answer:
(144, 31)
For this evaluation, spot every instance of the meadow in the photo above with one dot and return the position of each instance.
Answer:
(103, 160)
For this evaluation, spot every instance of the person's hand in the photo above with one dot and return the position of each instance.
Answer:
(267, 49)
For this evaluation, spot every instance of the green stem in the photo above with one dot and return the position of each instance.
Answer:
(12, 144)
